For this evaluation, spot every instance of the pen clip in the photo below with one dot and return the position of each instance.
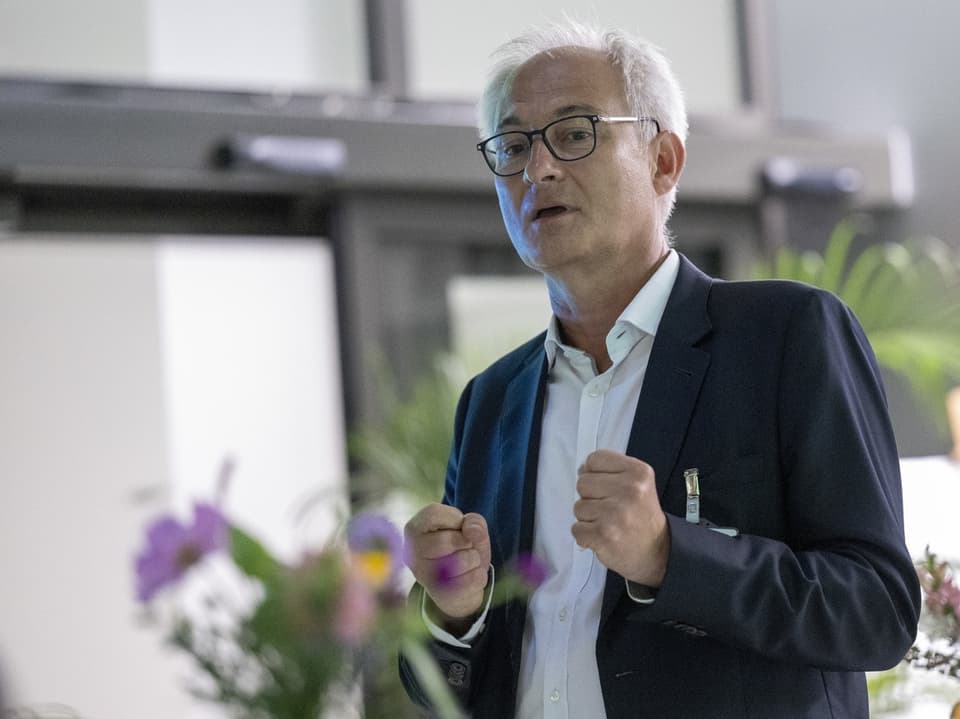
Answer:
(692, 479)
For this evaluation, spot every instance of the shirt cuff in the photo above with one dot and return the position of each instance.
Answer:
(446, 637)
(640, 593)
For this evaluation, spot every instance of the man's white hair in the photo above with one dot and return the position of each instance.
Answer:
(650, 86)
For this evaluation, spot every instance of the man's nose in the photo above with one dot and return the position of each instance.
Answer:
(541, 165)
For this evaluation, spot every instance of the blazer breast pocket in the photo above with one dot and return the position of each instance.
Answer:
(742, 494)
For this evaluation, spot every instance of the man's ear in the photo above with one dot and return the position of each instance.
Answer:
(670, 158)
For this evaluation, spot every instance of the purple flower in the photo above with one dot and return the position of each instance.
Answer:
(371, 530)
(530, 569)
(172, 548)
(945, 599)
(445, 569)
(377, 546)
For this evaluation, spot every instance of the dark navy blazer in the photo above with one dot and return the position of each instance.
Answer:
(771, 390)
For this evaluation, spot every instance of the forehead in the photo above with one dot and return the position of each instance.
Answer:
(552, 84)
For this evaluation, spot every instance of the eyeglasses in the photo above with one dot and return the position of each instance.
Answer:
(567, 139)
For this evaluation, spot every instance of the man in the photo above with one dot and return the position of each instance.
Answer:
(706, 468)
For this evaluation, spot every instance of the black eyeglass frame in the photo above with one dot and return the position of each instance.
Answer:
(531, 134)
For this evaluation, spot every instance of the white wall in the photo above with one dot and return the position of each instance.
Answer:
(129, 368)
(82, 430)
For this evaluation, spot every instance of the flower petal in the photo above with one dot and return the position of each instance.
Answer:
(154, 571)
(356, 610)
(209, 531)
(165, 534)
(531, 570)
(374, 532)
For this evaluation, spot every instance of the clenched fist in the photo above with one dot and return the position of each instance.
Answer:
(449, 553)
(619, 516)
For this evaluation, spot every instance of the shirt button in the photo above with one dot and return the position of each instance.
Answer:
(594, 391)
(563, 614)
(555, 696)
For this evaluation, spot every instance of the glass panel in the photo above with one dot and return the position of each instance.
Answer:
(491, 315)
(271, 44)
(99, 39)
(275, 45)
(449, 43)
(252, 370)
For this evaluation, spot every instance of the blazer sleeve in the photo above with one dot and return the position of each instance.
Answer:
(458, 666)
(839, 590)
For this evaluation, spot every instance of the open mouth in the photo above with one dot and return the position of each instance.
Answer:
(550, 212)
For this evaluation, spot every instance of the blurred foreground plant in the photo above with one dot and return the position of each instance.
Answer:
(927, 675)
(299, 647)
(302, 640)
(407, 452)
(939, 647)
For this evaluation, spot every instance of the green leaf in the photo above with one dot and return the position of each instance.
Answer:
(858, 284)
(253, 559)
(835, 256)
(407, 451)
(428, 674)
(889, 690)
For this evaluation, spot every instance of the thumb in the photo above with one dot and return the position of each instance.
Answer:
(474, 529)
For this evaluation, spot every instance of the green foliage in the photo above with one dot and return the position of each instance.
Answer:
(252, 558)
(407, 452)
(888, 690)
(906, 296)
(280, 661)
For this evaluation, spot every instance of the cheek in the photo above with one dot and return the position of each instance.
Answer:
(509, 207)
(633, 193)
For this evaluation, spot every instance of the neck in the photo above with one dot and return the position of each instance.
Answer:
(587, 309)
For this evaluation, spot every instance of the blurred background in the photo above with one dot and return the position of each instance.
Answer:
(225, 225)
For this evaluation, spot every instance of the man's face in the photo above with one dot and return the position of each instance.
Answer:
(591, 215)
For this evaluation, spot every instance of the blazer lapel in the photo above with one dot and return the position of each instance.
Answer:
(670, 389)
(519, 433)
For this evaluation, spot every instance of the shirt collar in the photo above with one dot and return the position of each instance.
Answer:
(640, 318)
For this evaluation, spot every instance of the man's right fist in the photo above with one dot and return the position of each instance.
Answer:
(449, 553)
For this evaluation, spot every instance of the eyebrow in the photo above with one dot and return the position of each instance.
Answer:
(557, 114)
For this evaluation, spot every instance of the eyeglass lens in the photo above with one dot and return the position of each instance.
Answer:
(570, 138)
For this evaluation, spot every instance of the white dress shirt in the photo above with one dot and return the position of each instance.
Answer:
(583, 411)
